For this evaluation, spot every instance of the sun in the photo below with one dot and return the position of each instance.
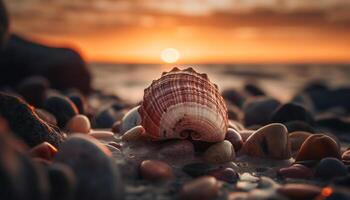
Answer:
(170, 55)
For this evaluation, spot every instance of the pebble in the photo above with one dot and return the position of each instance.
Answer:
(297, 139)
(79, 101)
(235, 138)
(198, 169)
(245, 134)
(62, 181)
(329, 168)
(203, 188)
(116, 145)
(155, 170)
(318, 146)
(62, 108)
(237, 196)
(134, 134)
(296, 171)
(96, 174)
(78, 124)
(225, 174)
(233, 96)
(234, 113)
(292, 112)
(103, 135)
(299, 191)
(257, 111)
(33, 89)
(253, 90)
(116, 128)
(44, 150)
(294, 126)
(221, 152)
(46, 116)
(270, 141)
(177, 149)
(106, 117)
(131, 119)
(235, 125)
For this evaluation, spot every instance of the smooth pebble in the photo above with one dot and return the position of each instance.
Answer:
(221, 152)
(203, 188)
(78, 124)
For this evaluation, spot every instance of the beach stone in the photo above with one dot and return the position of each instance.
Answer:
(318, 146)
(79, 101)
(297, 139)
(329, 168)
(304, 100)
(270, 141)
(234, 96)
(4, 24)
(131, 119)
(220, 152)
(33, 90)
(234, 113)
(245, 134)
(106, 117)
(103, 135)
(97, 176)
(46, 116)
(116, 145)
(155, 170)
(235, 125)
(237, 196)
(177, 149)
(225, 174)
(299, 191)
(62, 182)
(292, 112)
(78, 124)
(198, 169)
(235, 138)
(116, 128)
(294, 126)
(253, 90)
(62, 108)
(25, 124)
(44, 150)
(333, 122)
(258, 111)
(134, 134)
(204, 188)
(296, 171)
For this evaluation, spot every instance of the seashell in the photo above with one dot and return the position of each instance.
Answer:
(184, 103)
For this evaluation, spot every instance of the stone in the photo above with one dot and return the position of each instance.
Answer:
(329, 168)
(130, 120)
(235, 138)
(78, 124)
(234, 113)
(176, 149)
(237, 196)
(296, 171)
(62, 108)
(79, 101)
(103, 135)
(235, 125)
(294, 126)
(96, 174)
(33, 90)
(25, 124)
(134, 134)
(4, 24)
(106, 117)
(62, 182)
(299, 191)
(258, 111)
(116, 128)
(234, 96)
(225, 174)
(292, 112)
(270, 141)
(44, 150)
(318, 146)
(46, 116)
(253, 90)
(297, 139)
(198, 169)
(204, 188)
(245, 134)
(155, 170)
(220, 152)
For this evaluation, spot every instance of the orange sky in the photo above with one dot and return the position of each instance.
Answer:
(138, 32)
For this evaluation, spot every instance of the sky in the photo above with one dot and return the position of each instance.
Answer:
(203, 31)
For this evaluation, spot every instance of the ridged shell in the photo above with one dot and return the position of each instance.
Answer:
(184, 103)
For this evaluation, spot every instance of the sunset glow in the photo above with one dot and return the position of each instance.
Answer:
(170, 55)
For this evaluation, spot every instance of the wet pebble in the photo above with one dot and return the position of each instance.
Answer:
(62, 108)
(318, 146)
(245, 134)
(78, 124)
(131, 119)
(299, 191)
(292, 112)
(79, 101)
(234, 96)
(198, 169)
(297, 139)
(44, 150)
(155, 170)
(270, 141)
(296, 171)
(103, 135)
(225, 174)
(204, 188)
(235, 138)
(329, 168)
(177, 149)
(106, 117)
(134, 134)
(221, 152)
(257, 111)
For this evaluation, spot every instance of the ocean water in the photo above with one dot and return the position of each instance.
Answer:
(281, 81)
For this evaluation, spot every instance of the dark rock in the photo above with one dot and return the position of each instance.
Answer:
(304, 100)
(44, 151)
(96, 174)
(333, 123)
(315, 86)
(293, 126)
(33, 89)
(131, 119)
(26, 124)
(342, 181)
(63, 67)
(226, 174)
(329, 168)
(235, 138)
(253, 90)
(62, 108)
(198, 169)
(234, 113)
(79, 101)
(4, 24)
(257, 111)
(296, 171)
(106, 117)
(62, 181)
(233, 96)
(326, 99)
(292, 112)
(155, 170)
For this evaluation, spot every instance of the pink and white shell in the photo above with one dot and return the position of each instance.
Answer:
(181, 104)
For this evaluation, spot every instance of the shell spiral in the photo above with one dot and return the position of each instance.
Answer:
(181, 104)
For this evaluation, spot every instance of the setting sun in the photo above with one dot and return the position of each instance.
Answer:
(170, 55)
